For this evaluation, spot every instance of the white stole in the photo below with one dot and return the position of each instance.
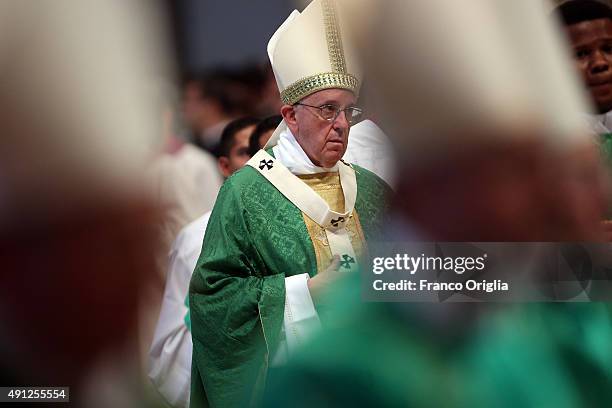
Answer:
(281, 172)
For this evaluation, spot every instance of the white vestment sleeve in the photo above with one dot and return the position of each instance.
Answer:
(301, 319)
(170, 354)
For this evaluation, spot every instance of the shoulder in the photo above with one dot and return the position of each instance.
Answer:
(242, 178)
(373, 198)
(243, 188)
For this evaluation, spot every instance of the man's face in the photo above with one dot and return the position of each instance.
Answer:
(239, 154)
(592, 45)
(324, 142)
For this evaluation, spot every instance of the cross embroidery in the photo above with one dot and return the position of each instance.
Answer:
(337, 221)
(347, 261)
(266, 163)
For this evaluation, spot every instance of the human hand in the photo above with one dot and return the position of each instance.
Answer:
(319, 284)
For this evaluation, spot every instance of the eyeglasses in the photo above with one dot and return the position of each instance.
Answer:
(331, 112)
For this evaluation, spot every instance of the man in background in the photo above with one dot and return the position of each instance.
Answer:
(214, 98)
(208, 106)
(588, 25)
(185, 180)
(263, 132)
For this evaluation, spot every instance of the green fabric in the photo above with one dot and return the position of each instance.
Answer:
(187, 314)
(401, 355)
(605, 147)
(254, 239)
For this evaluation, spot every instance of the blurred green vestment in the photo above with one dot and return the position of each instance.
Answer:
(453, 355)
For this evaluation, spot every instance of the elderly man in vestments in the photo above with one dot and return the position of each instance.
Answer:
(288, 223)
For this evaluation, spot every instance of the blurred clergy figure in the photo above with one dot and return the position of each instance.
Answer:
(370, 148)
(285, 224)
(77, 224)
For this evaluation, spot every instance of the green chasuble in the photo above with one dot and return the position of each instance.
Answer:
(254, 239)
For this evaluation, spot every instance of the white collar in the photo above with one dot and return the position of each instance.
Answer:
(600, 123)
(289, 152)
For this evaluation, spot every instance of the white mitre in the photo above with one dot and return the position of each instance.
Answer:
(311, 51)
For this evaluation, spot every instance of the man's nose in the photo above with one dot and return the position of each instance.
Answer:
(600, 63)
(341, 121)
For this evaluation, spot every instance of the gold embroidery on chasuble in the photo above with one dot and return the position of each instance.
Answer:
(327, 185)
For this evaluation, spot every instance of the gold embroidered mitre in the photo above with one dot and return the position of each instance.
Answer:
(310, 52)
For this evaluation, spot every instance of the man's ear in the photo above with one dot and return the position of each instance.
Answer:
(288, 113)
(224, 166)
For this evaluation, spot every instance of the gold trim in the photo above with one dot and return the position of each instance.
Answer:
(334, 39)
(309, 85)
(320, 245)
(328, 186)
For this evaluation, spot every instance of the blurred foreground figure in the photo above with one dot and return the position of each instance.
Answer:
(371, 149)
(77, 234)
(285, 224)
(483, 150)
(170, 353)
(486, 111)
